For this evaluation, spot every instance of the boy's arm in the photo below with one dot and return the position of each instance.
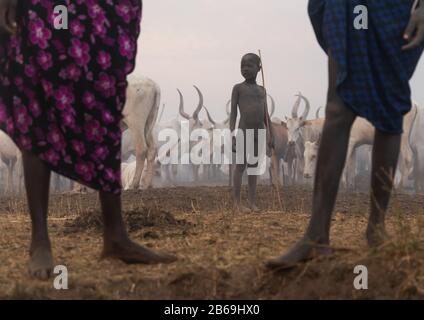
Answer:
(234, 104)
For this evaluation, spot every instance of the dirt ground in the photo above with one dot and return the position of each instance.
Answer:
(221, 254)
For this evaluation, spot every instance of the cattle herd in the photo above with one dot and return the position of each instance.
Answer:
(293, 160)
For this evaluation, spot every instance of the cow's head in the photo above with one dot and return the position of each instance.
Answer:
(310, 155)
(296, 123)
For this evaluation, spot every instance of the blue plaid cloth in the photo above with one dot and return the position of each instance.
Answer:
(374, 73)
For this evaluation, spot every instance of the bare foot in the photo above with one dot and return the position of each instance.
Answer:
(132, 253)
(254, 208)
(238, 208)
(376, 235)
(41, 262)
(302, 251)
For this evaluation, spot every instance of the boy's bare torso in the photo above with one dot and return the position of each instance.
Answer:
(251, 103)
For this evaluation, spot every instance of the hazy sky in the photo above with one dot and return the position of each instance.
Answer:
(201, 42)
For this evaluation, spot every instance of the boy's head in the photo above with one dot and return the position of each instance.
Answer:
(250, 66)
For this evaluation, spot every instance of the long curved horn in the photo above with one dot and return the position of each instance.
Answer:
(209, 116)
(272, 106)
(317, 113)
(307, 107)
(181, 108)
(199, 106)
(296, 105)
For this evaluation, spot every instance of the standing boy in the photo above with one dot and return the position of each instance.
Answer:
(250, 98)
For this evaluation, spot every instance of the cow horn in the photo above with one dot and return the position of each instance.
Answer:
(209, 116)
(296, 106)
(307, 107)
(272, 106)
(317, 113)
(199, 106)
(181, 108)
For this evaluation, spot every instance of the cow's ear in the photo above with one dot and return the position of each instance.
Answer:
(284, 124)
(302, 121)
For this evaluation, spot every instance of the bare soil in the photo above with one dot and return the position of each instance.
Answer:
(221, 253)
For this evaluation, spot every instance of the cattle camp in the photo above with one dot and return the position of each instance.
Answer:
(125, 164)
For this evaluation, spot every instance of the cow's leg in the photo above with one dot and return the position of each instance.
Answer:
(9, 179)
(37, 183)
(275, 170)
(330, 164)
(384, 161)
(283, 171)
(347, 173)
(140, 158)
(10, 163)
(116, 242)
(419, 176)
(148, 178)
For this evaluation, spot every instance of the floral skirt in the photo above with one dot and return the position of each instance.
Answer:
(62, 91)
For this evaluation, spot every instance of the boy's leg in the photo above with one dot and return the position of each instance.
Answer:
(384, 162)
(253, 178)
(116, 242)
(253, 181)
(330, 164)
(238, 178)
(37, 182)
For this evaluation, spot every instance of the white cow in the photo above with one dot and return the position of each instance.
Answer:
(175, 125)
(417, 144)
(9, 154)
(362, 133)
(300, 130)
(140, 115)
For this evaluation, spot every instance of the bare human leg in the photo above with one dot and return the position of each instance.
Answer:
(238, 177)
(253, 181)
(330, 164)
(384, 162)
(37, 183)
(116, 242)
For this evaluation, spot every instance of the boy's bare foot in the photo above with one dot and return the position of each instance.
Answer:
(40, 262)
(238, 208)
(254, 208)
(302, 251)
(376, 235)
(132, 253)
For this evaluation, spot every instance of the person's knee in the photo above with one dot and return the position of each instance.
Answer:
(338, 115)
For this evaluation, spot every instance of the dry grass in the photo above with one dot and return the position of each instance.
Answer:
(221, 254)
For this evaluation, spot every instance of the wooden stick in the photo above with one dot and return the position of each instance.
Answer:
(268, 124)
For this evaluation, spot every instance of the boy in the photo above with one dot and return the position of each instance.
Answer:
(369, 73)
(250, 98)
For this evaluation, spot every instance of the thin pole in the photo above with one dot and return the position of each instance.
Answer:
(269, 125)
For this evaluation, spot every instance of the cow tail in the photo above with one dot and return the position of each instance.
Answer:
(152, 118)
